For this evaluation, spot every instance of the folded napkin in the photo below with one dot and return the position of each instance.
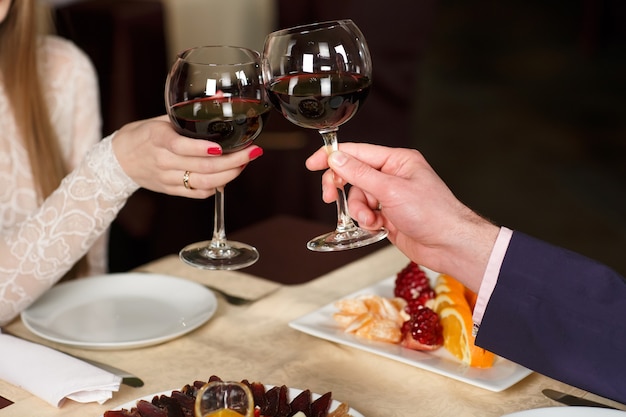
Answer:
(52, 375)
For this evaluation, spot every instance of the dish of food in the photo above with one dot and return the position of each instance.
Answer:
(292, 393)
(320, 323)
(118, 311)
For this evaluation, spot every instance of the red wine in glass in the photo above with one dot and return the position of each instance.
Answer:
(299, 100)
(204, 119)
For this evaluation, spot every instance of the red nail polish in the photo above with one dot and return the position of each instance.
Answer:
(255, 153)
(214, 151)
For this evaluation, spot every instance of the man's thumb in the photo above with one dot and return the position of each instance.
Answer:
(337, 159)
(352, 170)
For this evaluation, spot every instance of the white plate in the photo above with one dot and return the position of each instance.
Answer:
(320, 323)
(293, 392)
(568, 412)
(119, 311)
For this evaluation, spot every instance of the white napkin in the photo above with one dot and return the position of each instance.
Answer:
(52, 375)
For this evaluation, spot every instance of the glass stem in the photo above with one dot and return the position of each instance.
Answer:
(219, 231)
(344, 221)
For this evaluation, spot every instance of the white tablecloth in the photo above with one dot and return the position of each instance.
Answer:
(255, 342)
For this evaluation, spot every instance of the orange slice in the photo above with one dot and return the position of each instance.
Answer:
(471, 298)
(455, 331)
(458, 339)
(481, 358)
(454, 303)
(445, 283)
(225, 412)
(446, 299)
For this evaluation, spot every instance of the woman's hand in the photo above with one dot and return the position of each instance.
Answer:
(156, 158)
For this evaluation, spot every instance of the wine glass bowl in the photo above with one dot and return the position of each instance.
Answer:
(318, 76)
(216, 93)
(212, 94)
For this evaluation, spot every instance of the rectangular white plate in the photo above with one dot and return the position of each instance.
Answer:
(320, 323)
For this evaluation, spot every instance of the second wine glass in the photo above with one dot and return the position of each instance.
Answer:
(318, 76)
(216, 93)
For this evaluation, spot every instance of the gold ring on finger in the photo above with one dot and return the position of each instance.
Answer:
(186, 180)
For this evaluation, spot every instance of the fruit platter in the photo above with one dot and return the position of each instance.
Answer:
(418, 317)
(269, 400)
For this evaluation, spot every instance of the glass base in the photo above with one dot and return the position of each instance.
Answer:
(232, 255)
(351, 239)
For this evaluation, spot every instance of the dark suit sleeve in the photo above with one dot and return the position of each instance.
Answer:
(560, 314)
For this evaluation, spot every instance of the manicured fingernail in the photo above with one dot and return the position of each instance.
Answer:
(338, 158)
(214, 151)
(255, 153)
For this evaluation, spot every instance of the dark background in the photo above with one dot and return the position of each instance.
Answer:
(522, 110)
(519, 105)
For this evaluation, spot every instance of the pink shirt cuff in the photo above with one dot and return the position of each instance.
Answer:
(490, 278)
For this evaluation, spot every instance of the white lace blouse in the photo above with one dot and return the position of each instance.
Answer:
(40, 243)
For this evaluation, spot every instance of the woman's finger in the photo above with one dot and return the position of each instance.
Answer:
(211, 164)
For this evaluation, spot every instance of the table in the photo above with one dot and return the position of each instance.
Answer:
(281, 239)
(254, 342)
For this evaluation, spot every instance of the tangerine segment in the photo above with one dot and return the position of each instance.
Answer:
(354, 306)
(381, 330)
(384, 308)
(345, 319)
(372, 317)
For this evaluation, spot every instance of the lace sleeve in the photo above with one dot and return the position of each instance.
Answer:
(44, 247)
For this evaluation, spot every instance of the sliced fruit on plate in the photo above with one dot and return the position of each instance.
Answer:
(410, 282)
(372, 317)
(447, 299)
(456, 320)
(423, 331)
(454, 303)
(445, 284)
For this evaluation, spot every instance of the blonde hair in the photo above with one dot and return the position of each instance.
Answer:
(19, 68)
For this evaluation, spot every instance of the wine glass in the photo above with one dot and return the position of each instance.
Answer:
(318, 76)
(224, 399)
(217, 93)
